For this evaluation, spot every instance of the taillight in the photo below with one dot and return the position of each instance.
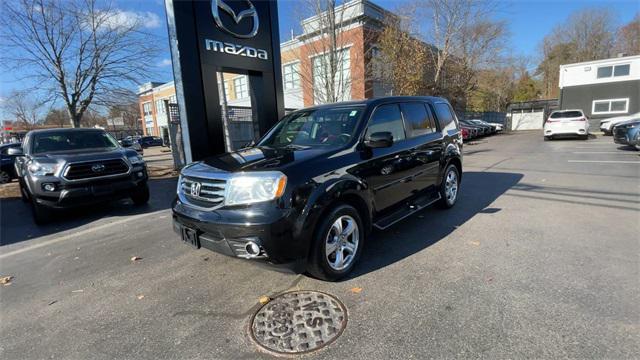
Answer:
(465, 133)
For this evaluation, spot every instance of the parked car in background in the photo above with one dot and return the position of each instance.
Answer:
(148, 141)
(471, 132)
(482, 129)
(628, 133)
(606, 125)
(7, 169)
(130, 143)
(496, 127)
(308, 194)
(564, 123)
(63, 168)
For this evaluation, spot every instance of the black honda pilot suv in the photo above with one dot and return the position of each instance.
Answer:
(63, 168)
(307, 194)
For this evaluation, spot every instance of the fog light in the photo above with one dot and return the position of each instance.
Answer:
(140, 174)
(48, 187)
(252, 248)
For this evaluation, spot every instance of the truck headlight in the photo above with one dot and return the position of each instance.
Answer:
(40, 169)
(255, 187)
(136, 159)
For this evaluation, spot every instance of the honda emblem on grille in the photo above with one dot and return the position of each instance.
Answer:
(195, 188)
(97, 168)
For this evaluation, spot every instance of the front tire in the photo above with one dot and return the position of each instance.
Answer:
(4, 177)
(41, 214)
(337, 244)
(140, 195)
(449, 187)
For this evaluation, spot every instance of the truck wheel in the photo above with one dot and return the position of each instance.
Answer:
(41, 214)
(4, 177)
(337, 244)
(140, 195)
(449, 187)
(547, 138)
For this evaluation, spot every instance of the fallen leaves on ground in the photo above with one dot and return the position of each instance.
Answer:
(6, 280)
(356, 290)
(77, 291)
(474, 243)
(264, 299)
(140, 297)
(136, 258)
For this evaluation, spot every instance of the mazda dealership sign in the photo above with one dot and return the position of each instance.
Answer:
(230, 36)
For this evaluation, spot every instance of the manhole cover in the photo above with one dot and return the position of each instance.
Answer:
(298, 322)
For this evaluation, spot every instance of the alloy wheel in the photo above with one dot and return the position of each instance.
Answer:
(451, 187)
(341, 242)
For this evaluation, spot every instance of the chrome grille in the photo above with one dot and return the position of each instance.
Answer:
(96, 169)
(209, 192)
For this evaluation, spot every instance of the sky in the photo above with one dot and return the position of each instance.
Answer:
(528, 23)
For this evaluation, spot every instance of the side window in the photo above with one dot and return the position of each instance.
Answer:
(445, 116)
(416, 119)
(387, 118)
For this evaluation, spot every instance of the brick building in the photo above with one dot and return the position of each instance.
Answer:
(304, 67)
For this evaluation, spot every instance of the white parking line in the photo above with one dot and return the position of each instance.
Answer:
(606, 152)
(604, 161)
(79, 233)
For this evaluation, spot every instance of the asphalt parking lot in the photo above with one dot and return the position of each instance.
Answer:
(539, 259)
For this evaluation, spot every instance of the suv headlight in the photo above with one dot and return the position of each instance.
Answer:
(136, 159)
(39, 169)
(255, 187)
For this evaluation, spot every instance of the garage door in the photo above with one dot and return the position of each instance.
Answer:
(527, 120)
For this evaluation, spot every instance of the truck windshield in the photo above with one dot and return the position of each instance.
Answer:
(72, 140)
(315, 127)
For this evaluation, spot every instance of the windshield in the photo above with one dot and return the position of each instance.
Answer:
(72, 140)
(315, 127)
(566, 114)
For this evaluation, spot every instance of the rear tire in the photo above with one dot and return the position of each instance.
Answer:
(584, 137)
(140, 195)
(4, 177)
(449, 187)
(326, 238)
(547, 138)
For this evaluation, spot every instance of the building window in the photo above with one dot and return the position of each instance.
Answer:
(241, 87)
(173, 100)
(341, 80)
(146, 108)
(613, 71)
(610, 106)
(291, 75)
(160, 106)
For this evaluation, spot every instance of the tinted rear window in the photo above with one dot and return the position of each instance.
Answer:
(566, 114)
(416, 119)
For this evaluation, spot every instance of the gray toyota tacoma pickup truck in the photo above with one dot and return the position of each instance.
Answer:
(63, 168)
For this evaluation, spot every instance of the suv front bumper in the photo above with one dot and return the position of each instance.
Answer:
(228, 231)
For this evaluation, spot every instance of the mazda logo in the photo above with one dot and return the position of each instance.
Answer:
(195, 188)
(97, 168)
(217, 5)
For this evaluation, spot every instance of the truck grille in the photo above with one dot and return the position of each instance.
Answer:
(95, 169)
(207, 193)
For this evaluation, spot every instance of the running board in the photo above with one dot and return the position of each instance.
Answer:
(405, 212)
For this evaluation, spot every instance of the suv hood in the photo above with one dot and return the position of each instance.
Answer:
(259, 158)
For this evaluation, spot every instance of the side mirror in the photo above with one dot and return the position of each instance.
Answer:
(381, 139)
(16, 151)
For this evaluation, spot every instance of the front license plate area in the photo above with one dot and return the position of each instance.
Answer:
(190, 236)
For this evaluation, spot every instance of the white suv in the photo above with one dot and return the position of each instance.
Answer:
(566, 123)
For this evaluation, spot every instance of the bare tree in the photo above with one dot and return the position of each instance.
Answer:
(57, 117)
(400, 62)
(82, 53)
(26, 108)
(628, 37)
(586, 35)
(326, 63)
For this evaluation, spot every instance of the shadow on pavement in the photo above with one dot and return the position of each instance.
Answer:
(17, 223)
(478, 191)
